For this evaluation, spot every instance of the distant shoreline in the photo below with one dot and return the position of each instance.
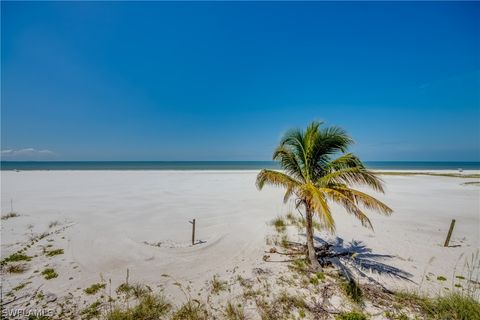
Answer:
(222, 165)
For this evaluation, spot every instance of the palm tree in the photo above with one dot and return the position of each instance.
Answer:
(313, 175)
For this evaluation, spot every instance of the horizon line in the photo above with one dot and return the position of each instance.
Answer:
(477, 161)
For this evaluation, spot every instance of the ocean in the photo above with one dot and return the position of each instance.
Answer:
(217, 165)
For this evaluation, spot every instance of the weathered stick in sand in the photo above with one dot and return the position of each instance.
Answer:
(452, 224)
(193, 231)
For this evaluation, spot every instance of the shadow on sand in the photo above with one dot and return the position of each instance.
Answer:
(356, 258)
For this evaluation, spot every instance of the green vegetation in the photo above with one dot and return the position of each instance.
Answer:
(15, 257)
(441, 278)
(21, 286)
(316, 278)
(94, 288)
(299, 265)
(191, 310)
(136, 290)
(92, 311)
(279, 224)
(54, 252)
(352, 290)
(288, 302)
(354, 315)
(282, 307)
(49, 273)
(149, 307)
(17, 268)
(217, 285)
(315, 178)
(453, 306)
(10, 215)
(233, 312)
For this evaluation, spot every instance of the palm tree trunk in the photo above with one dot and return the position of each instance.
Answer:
(310, 247)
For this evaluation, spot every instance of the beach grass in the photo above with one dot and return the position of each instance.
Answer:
(15, 257)
(10, 215)
(94, 288)
(353, 315)
(217, 285)
(454, 305)
(234, 312)
(49, 273)
(150, 306)
(17, 268)
(54, 252)
(192, 309)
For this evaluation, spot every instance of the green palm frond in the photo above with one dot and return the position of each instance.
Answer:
(353, 176)
(348, 202)
(369, 202)
(348, 160)
(314, 176)
(278, 179)
(318, 203)
(290, 163)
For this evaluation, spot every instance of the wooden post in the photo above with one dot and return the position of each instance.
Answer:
(449, 235)
(193, 231)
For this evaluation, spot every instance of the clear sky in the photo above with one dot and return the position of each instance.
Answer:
(223, 81)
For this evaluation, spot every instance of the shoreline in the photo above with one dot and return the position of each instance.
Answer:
(381, 171)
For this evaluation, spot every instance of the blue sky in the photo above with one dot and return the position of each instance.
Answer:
(223, 81)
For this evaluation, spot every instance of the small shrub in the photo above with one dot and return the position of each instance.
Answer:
(94, 288)
(49, 273)
(441, 278)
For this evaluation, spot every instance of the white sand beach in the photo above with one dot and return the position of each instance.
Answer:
(138, 220)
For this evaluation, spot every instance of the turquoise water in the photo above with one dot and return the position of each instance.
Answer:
(216, 165)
